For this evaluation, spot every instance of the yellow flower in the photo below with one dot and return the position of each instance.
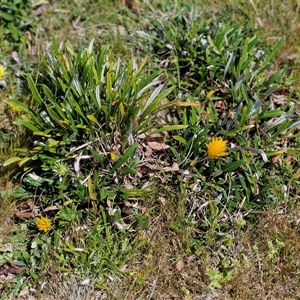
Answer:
(216, 148)
(14, 107)
(113, 156)
(2, 71)
(43, 223)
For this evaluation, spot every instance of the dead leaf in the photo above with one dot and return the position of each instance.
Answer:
(24, 292)
(122, 30)
(25, 214)
(260, 22)
(156, 142)
(26, 209)
(151, 168)
(96, 209)
(7, 269)
(279, 99)
(6, 248)
(158, 146)
(180, 265)
(148, 151)
(162, 200)
(29, 36)
(275, 159)
(146, 168)
(180, 103)
(130, 5)
(38, 12)
(15, 57)
(8, 277)
(221, 106)
(173, 168)
(75, 22)
(52, 207)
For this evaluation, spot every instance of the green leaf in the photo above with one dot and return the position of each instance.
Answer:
(233, 166)
(36, 95)
(11, 160)
(24, 160)
(93, 119)
(124, 158)
(275, 49)
(7, 16)
(271, 114)
(153, 101)
(19, 104)
(142, 221)
(27, 124)
(179, 138)
(168, 128)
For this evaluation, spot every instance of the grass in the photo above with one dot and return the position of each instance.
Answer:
(108, 131)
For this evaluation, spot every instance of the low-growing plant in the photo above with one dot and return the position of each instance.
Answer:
(15, 19)
(211, 55)
(227, 69)
(88, 111)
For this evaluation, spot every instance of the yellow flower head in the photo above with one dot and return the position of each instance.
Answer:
(14, 107)
(2, 71)
(216, 148)
(43, 223)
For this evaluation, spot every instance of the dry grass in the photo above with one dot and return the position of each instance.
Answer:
(266, 256)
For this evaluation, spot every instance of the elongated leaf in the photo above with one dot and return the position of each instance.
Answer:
(53, 115)
(280, 120)
(93, 119)
(169, 128)
(27, 124)
(155, 97)
(7, 16)
(91, 46)
(24, 161)
(49, 95)
(179, 138)
(151, 99)
(294, 124)
(179, 103)
(11, 160)
(243, 57)
(141, 67)
(40, 133)
(19, 104)
(272, 54)
(124, 158)
(271, 114)
(233, 166)
(36, 95)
